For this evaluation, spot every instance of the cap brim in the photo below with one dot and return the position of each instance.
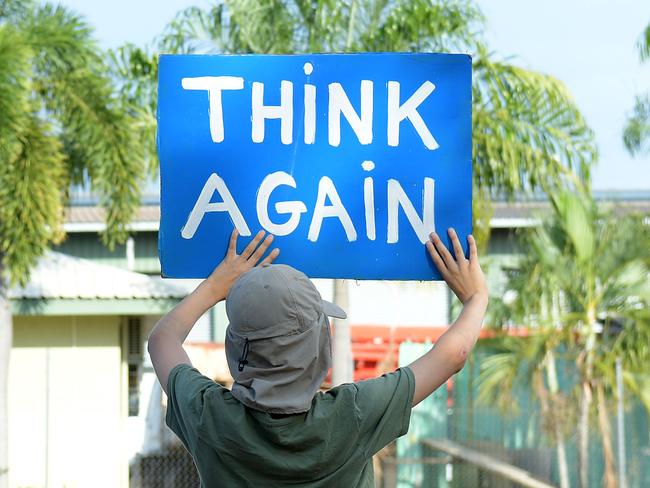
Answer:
(332, 310)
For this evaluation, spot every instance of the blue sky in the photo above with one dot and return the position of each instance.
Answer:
(588, 44)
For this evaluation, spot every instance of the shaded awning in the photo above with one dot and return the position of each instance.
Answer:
(65, 285)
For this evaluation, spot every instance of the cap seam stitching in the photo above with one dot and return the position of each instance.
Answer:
(293, 299)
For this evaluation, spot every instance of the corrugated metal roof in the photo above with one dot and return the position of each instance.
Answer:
(508, 214)
(60, 276)
(533, 209)
(81, 214)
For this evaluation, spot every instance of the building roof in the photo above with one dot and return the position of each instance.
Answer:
(526, 213)
(59, 276)
(507, 214)
(92, 218)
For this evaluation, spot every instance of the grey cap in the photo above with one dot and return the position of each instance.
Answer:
(278, 341)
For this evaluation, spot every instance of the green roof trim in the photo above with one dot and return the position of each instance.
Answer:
(83, 306)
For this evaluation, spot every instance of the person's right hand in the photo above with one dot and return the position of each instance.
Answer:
(464, 276)
(234, 265)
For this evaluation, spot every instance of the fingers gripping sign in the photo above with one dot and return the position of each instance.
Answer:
(234, 265)
(464, 276)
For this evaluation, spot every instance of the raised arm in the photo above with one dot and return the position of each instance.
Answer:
(466, 280)
(166, 340)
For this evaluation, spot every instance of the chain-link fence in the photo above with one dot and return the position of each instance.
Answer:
(440, 470)
(173, 468)
(519, 435)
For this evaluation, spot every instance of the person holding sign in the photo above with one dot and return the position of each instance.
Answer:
(274, 427)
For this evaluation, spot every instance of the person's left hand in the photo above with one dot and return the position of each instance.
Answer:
(234, 265)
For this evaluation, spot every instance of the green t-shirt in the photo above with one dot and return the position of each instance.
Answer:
(331, 445)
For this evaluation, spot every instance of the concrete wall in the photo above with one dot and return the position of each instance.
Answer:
(67, 403)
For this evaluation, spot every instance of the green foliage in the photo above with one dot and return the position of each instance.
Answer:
(583, 257)
(528, 133)
(60, 123)
(500, 371)
(514, 361)
(577, 215)
(582, 290)
(32, 192)
(482, 212)
(136, 73)
(636, 135)
(585, 260)
(421, 26)
(644, 44)
(10, 10)
(281, 26)
(15, 70)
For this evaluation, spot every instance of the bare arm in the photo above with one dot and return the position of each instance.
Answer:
(466, 280)
(166, 340)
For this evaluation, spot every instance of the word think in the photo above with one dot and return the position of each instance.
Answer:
(338, 105)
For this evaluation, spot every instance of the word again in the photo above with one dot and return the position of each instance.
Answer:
(396, 199)
(339, 105)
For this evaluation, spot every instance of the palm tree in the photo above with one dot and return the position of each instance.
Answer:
(134, 72)
(530, 364)
(636, 135)
(528, 133)
(60, 124)
(583, 288)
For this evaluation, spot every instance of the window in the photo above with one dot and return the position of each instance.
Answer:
(134, 360)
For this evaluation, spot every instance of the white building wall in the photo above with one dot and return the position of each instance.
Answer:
(66, 396)
(394, 303)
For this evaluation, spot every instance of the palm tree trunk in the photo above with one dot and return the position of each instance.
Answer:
(583, 433)
(6, 331)
(342, 350)
(606, 437)
(553, 385)
(562, 464)
(587, 376)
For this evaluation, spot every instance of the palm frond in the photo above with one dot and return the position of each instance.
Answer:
(512, 364)
(100, 139)
(332, 25)
(59, 38)
(528, 132)
(639, 385)
(196, 30)
(632, 342)
(15, 71)
(636, 135)
(263, 27)
(497, 377)
(31, 198)
(242, 26)
(576, 217)
(135, 73)
(12, 10)
(422, 26)
(644, 44)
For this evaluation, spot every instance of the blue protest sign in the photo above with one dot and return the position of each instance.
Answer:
(350, 160)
